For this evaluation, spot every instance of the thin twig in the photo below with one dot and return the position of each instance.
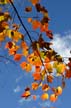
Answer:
(21, 20)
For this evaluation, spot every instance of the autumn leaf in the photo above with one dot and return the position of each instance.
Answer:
(38, 7)
(5, 25)
(26, 94)
(27, 89)
(68, 73)
(45, 87)
(53, 98)
(9, 45)
(44, 27)
(34, 60)
(2, 36)
(23, 65)
(59, 90)
(43, 73)
(50, 78)
(34, 2)
(37, 69)
(35, 86)
(46, 60)
(15, 35)
(17, 57)
(12, 51)
(29, 20)
(28, 9)
(24, 45)
(69, 63)
(60, 68)
(35, 24)
(49, 67)
(44, 96)
(14, 48)
(26, 66)
(49, 34)
(3, 2)
(36, 76)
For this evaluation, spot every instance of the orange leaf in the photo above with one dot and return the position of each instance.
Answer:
(24, 45)
(35, 85)
(34, 2)
(25, 52)
(17, 57)
(26, 66)
(37, 68)
(9, 45)
(68, 73)
(26, 94)
(2, 36)
(44, 28)
(47, 60)
(49, 78)
(35, 24)
(45, 87)
(44, 96)
(29, 20)
(23, 65)
(37, 76)
(53, 97)
(12, 51)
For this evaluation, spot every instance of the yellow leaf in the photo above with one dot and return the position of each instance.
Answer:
(44, 96)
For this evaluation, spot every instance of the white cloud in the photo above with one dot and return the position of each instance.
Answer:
(62, 44)
(18, 79)
(17, 89)
(23, 100)
(45, 104)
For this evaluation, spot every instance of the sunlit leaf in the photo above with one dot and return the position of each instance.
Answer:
(26, 66)
(34, 2)
(45, 87)
(44, 96)
(53, 98)
(26, 94)
(37, 76)
(35, 85)
(35, 24)
(60, 68)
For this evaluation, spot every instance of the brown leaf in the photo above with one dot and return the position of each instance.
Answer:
(49, 34)
(49, 78)
(68, 73)
(28, 9)
(63, 84)
(26, 94)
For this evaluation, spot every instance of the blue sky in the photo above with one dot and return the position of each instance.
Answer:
(12, 78)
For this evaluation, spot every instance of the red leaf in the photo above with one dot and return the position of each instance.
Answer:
(49, 34)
